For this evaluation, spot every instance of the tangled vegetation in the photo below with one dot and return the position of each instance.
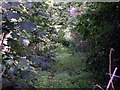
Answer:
(100, 27)
(59, 45)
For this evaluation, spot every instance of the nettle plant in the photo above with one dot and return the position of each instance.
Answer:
(31, 44)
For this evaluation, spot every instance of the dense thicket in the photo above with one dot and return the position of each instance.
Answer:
(38, 31)
(100, 26)
(31, 42)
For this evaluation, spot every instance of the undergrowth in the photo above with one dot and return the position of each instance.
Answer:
(67, 72)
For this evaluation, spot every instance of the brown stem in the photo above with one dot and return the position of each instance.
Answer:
(110, 66)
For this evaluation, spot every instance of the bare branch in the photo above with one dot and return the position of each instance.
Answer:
(110, 61)
(110, 81)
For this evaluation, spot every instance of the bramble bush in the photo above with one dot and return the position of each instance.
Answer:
(100, 27)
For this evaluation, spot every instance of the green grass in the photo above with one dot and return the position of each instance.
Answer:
(67, 72)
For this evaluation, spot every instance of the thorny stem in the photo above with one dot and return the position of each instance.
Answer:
(110, 66)
(110, 81)
(111, 75)
(98, 87)
(114, 75)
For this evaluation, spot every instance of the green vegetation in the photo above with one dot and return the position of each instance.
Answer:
(100, 26)
(67, 72)
(59, 45)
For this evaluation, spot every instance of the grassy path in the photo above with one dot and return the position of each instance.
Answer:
(67, 72)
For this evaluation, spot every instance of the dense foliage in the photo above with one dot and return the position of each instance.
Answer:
(100, 26)
(38, 32)
(31, 42)
(48, 44)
